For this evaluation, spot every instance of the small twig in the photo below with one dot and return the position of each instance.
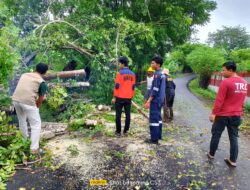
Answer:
(79, 49)
(8, 134)
(146, 2)
(117, 46)
(82, 100)
(33, 162)
(29, 169)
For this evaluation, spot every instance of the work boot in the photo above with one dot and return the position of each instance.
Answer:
(117, 134)
(149, 141)
(171, 114)
(125, 134)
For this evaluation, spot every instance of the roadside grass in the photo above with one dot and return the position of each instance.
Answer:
(203, 93)
(208, 97)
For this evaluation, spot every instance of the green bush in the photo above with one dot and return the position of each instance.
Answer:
(74, 151)
(47, 113)
(247, 108)
(5, 100)
(138, 99)
(242, 58)
(204, 61)
(14, 149)
(76, 124)
(76, 110)
(102, 81)
(57, 97)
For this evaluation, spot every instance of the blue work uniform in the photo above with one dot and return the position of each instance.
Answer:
(158, 93)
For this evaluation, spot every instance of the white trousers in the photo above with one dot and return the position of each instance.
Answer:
(31, 113)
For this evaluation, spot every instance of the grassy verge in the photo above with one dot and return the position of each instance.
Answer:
(203, 93)
(208, 98)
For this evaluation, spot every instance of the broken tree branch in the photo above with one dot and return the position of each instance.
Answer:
(140, 110)
(8, 134)
(29, 163)
(79, 49)
(69, 85)
(57, 21)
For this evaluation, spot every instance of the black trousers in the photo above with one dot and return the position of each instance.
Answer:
(232, 123)
(168, 112)
(119, 104)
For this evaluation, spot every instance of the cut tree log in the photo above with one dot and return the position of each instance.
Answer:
(47, 135)
(140, 110)
(54, 127)
(64, 74)
(89, 122)
(86, 123)
(69, 85)
(50, 130)
(103, 108)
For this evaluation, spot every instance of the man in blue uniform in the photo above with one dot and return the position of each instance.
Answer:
(156, 100)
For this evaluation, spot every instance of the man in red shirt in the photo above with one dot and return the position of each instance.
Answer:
(227, 111)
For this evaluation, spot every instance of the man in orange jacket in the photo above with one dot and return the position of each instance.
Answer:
(123, 93)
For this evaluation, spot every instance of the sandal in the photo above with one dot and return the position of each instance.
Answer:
(230, 163)
(209, 156)
(37, 152)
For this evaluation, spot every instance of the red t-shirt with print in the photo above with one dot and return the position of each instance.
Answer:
(231, 97)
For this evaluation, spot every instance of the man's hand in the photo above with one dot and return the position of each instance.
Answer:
(39, 101)
(212, 118)
(147, 105)
(113, 100)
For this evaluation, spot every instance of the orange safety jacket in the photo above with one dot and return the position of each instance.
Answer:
(124, 84)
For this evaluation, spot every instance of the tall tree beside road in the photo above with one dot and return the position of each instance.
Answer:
(230, 38)
(204, 61)
(9, 55)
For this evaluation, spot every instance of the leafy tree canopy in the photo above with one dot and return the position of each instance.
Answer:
(204, 61)
(9, 55)
(96, 32)
(230, 38)
(242, 58)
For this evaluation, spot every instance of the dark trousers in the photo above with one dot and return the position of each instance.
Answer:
(119, 104)
(155, 121)
(232, 123)
(168, 112)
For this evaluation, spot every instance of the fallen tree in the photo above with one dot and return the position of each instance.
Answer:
(64, 74)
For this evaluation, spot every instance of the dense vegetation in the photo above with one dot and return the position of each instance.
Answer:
(94, 34)
(204, 60)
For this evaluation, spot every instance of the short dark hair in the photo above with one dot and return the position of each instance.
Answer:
(123, 60)
(230, 65)
(158, 59)
(42, 68)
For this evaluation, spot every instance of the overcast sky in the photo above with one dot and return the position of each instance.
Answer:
(228, 13)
